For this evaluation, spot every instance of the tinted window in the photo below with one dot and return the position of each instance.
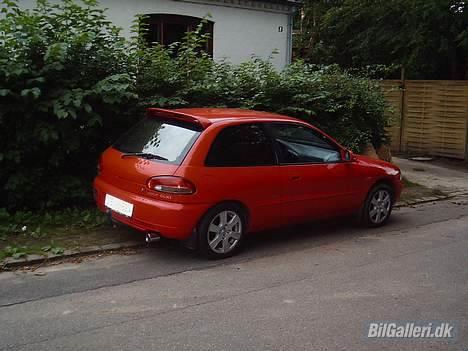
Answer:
(171, 140)
(299, 144)
(242, 145)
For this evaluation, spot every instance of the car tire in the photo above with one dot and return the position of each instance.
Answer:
(221, 231)
(378, 206)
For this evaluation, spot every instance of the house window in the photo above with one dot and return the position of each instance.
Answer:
(168, 29)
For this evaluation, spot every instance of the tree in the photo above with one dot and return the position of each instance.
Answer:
(427, 37)
(308, 22)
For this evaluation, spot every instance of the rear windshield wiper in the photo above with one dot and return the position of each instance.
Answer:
(144, 155)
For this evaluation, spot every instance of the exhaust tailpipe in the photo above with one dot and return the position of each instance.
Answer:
(152, 237)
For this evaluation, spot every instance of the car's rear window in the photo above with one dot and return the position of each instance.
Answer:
(169, 140)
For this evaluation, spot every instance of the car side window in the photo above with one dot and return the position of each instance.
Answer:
(300, 144)
(241, 146)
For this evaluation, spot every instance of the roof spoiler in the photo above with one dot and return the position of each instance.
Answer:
(181, 116)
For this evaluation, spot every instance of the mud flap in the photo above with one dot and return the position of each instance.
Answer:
(191, 242)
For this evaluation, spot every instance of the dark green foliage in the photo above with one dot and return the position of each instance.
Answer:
(69, 85)
(349, 108)
(165, 75)
(21, 232)
(427, 37)
(63, 83)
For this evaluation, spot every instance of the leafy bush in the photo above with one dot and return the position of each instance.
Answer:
(63, 82)
(166, 75)
(69, 85)
(348, 107)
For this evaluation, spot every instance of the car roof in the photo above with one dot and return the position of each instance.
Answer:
(207, 116)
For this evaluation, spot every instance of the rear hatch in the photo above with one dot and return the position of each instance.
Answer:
(153, 147)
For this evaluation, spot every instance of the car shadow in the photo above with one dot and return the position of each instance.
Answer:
(312, 234)
(288, 239)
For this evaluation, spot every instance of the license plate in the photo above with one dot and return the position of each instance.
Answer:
(117, 205)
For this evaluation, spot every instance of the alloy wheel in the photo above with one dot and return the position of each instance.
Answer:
(224, 232)
(380, 206)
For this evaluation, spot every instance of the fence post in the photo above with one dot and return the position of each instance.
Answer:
(466, 138)
(402, 106)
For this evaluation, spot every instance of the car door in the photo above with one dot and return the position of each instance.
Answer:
(241, 165)
(316, 179)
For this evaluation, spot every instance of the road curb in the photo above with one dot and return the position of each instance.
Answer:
(9, 262)
(430, 199)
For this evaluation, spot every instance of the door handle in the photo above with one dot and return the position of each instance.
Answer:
(296, 178)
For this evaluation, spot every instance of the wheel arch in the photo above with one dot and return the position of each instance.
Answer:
(230, 202)
(191, 241)
(382, 180)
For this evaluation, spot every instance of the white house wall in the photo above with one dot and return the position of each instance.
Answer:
(239, 33)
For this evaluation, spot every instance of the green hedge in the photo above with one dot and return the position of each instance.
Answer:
(63, 79)
(70, 84)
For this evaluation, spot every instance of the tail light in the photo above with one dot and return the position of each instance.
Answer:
(171, 185)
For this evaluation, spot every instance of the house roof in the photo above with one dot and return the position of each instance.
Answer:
(258, 3)
(286, 2)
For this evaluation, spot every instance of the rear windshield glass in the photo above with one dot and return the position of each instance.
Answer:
(168, 140)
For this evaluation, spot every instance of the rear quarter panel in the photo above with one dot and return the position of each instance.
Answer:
(257, 188)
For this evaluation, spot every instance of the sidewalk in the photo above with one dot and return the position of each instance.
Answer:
(448, 180)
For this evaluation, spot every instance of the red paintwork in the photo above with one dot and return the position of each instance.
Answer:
(273, 195)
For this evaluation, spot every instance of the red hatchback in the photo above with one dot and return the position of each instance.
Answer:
(208, 176)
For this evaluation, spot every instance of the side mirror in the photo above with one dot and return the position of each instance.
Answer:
(348, 156)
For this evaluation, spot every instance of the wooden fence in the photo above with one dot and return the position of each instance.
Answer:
(430, 117)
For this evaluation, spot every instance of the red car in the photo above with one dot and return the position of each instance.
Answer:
(209, 176)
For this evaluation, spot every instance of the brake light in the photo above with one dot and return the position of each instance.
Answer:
(171, 185)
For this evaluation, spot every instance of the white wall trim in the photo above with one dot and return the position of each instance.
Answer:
(246, 4)
(289, 46)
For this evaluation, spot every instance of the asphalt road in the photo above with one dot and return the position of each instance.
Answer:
(306, 288)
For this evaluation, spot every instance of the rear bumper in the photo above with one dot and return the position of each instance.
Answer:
(170, 220)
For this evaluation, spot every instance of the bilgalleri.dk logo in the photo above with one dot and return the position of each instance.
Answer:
(411, 330)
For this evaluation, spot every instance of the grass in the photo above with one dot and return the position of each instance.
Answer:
(413, 191)
(409, 184)
(53, 232)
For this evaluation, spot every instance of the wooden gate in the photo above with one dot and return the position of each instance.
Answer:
(429, 117)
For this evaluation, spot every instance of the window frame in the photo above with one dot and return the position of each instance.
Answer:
(278, 152)
(263, 127)
(159, 20)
